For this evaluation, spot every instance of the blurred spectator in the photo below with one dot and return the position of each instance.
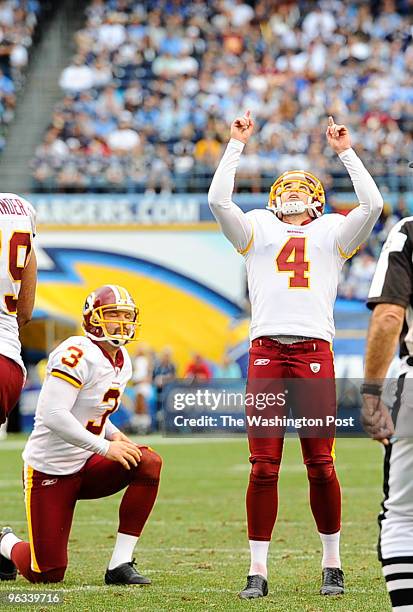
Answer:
(124, 138)
(359, 276)
(228, 369)
(159, 175)
(142, 379)
(77, 77)
(164, 372)
(198, 369)
(6, 84)
(208, 150)
(401, 210)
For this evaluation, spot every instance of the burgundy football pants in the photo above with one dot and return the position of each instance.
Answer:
(51, 501)
(307, 370)
(11, 384)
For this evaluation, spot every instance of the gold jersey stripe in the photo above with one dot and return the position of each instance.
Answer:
(347, 255)
(333, 450)
(247, 248)
(67, 377)
(28, 485)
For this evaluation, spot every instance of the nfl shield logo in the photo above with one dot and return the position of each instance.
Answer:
(315, 367)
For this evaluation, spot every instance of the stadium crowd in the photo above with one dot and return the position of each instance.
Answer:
(153, 86)
(18, 23)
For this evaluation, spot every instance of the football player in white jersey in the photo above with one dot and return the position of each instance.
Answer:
(293, 255)
(18, 274)
(75, 452)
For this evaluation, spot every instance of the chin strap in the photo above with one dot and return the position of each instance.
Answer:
(117, 343)
(310, 206)
(113, 342)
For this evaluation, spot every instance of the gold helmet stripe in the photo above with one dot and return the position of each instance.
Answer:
(123, 293)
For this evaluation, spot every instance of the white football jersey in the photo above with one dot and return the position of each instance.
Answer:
(17, 228)
(81, 362)
(293, 274)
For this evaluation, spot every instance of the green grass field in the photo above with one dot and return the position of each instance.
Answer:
(194, 547)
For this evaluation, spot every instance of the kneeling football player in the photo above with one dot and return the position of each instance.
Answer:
(75, 452)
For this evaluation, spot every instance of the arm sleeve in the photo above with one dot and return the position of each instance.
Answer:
(56, 402)
(393, 279)
(68, 362)
(110, 429)
(32, 215)
(232, 220)
(359, 223)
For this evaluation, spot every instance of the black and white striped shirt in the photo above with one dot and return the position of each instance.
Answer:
(393, 279)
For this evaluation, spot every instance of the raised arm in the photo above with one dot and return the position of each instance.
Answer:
(359, 223)
(232, 220)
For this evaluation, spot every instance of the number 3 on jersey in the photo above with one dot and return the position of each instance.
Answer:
(292, 259)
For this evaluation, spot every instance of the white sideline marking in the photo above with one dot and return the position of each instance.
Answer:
(7, 445)
(196, 525)
(104, 587)
(279, 552)
(152, 440)
(11, 483)
(162, 588)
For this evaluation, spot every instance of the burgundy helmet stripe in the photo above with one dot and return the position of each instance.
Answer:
(106, 295)
(116, 293)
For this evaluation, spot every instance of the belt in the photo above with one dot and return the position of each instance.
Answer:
(289, 339)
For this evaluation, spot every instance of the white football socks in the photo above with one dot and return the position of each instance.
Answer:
(7, 543)
(123, 551)
(3, 431)
(331, 549)
(259, 553)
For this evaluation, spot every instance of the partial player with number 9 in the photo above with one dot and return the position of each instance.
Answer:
(294, 254)
(18, 275)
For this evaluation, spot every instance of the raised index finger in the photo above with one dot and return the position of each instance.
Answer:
(330, 121)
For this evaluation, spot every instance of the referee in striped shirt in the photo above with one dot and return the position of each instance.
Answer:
(391, 299)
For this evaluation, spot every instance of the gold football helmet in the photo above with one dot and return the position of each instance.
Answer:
(303, 182)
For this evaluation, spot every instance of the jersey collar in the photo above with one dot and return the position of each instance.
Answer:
(119, 359)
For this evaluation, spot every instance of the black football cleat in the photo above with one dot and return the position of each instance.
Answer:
(125, 574)
(333, 581)
(257, 586)
(8, 570)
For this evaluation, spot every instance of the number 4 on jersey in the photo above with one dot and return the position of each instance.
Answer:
(291, 258)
